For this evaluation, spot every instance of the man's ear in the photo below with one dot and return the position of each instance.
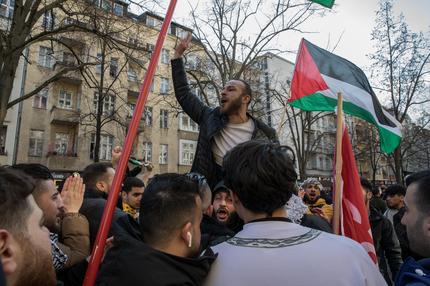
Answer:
(7, 252)
(186, 233)
(101, 186)
(123, 196)
(246, 99)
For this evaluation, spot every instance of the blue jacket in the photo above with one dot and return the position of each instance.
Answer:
(414, 273)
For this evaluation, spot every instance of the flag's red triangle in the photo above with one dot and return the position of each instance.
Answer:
(307, 78)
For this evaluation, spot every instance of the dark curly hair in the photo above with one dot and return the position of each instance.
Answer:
(261, 174)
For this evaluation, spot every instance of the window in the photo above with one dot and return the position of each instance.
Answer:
(107, 5)
(132, 74)
(106, 145)
(186, 124)
(131, 106)
(108, 103)
(191, 62)
(45, 57)
(150, 48)
(147, 152)
(152, 22)
(162, 158)
(113, 71)
(68, 59)
(65, 99)
(152, 85)
(61, 143)
(118, 9)
(3, 132)
(164, 85)
(36, 143)
(40, 100)
(99, 64)
(165, 58)
(164, 118)
(187, 150)
(48, 20)
(6, 8)
(147, 116)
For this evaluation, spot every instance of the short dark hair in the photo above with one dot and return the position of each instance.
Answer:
(36, 171)
(261, 174)
(395, 190)
(366, 185)
(168, 202)
(94, 173)
(132, 182)
(248, 89)
(422, 179)
(15, 187)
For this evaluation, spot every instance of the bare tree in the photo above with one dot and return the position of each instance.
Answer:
(33, 22)
(222, 31)
(400, 64)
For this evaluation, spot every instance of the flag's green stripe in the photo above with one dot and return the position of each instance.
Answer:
(325, 3)
(320, 102)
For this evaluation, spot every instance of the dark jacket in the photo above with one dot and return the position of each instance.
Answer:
(211, 122)
(316, 222)
(132, 262)
(414, 273)
(386, 244)
(92, 208)
(213, 232)
(378, 204)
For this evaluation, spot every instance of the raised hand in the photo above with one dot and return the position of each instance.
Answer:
(183, 45)
(73, 194)
(116, 154)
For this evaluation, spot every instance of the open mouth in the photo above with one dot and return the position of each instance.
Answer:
(223, 101)
(222, 214)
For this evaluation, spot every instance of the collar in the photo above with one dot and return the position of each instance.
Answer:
(284, 219)
(130, 210)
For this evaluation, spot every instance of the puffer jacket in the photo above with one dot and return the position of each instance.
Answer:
(211, 122)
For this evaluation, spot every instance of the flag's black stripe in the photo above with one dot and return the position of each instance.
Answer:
(341, 69)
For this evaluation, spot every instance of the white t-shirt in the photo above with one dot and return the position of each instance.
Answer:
(230, 136)
(279, 253)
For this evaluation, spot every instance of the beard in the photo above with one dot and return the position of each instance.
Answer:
(232, 107)
(36, 268)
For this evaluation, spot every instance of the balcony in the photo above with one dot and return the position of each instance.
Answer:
(65, 116)
(72, 77)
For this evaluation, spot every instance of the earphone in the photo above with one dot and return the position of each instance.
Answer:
(190, 240)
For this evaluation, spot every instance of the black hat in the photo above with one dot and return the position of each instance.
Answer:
(220, 187)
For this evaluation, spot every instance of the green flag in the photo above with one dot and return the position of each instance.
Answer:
(325, 3)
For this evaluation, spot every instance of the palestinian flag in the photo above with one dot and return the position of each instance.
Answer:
(319, 75)
(325, 3)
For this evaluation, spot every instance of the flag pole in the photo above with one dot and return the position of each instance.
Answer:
(338, 176)
(99, 245)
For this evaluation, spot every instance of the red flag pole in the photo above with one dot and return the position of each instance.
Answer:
(106, 221)
(338, 176)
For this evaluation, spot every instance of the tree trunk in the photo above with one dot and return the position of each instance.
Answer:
(398, 165)
(7, 75)
(99, 111)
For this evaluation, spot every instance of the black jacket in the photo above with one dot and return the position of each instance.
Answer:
(92, 208)
(213, 232)
(211, 122)
(386, 244)
(132, 262)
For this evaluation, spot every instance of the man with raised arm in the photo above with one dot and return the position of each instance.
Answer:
(222, 127)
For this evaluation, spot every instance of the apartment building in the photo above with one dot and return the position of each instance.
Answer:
(58, 125)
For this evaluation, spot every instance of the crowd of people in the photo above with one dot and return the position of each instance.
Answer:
(239, 218)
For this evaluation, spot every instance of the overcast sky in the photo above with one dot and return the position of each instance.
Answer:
(354, 19)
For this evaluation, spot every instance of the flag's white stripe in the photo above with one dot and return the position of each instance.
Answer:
(358, 97)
